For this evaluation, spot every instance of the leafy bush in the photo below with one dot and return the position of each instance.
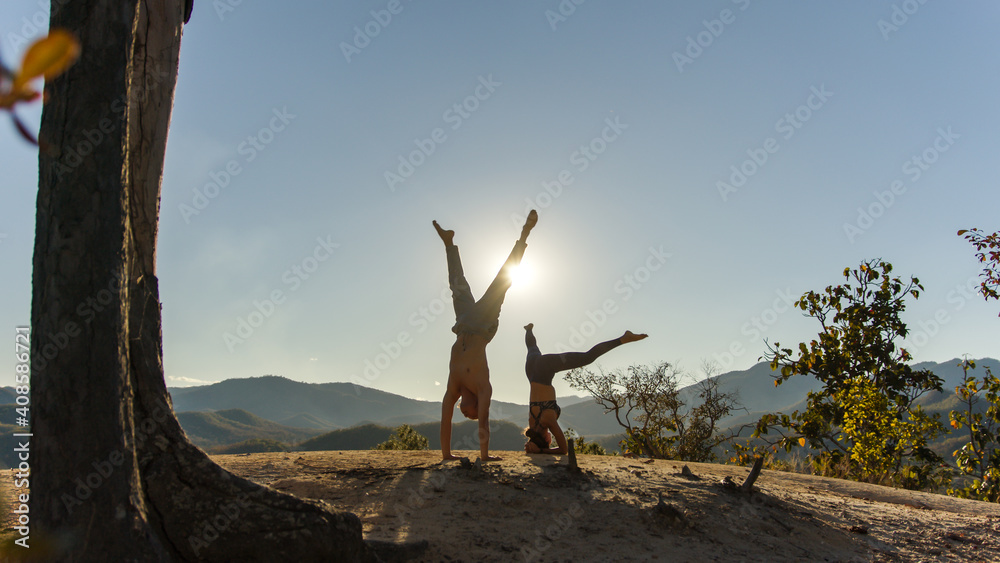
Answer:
(405, 438)
(979, 458)
(647, 402)
(865, 422)
(582, 446)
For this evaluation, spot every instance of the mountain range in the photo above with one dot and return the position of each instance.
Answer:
(347, 416)
(322, 407)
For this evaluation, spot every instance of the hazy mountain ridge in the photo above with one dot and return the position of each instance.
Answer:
(321, 405)
(219, 428)
(331, 406)
(301, 414)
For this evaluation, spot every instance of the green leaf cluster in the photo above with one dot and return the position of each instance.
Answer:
(404, 438)
(979, 458)
(864, 418)
(582, 446)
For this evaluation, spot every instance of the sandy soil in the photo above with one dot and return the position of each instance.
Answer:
(533, 508)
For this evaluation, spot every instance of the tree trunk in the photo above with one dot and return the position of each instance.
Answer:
(113, 477)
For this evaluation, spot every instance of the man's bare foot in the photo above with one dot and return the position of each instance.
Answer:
(629, 336)
(490, 458)
(529, 224)
(446, 236)
(449, 457)
(529, 326)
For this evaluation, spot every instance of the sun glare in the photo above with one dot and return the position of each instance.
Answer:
(522, 275)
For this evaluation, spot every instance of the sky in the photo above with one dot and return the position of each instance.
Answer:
(696, 168)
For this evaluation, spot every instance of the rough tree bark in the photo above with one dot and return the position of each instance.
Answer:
(113, 476)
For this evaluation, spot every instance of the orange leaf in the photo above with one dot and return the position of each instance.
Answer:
(47, 57)
(802, 442)
(8, 100)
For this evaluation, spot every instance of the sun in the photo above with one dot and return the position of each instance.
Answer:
(522, 275)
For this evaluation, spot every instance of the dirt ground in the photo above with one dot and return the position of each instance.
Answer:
(533, 508)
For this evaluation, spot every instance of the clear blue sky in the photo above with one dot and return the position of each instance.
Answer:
(638, 130)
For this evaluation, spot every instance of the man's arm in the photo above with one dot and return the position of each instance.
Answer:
(485, 394)
(447, 410)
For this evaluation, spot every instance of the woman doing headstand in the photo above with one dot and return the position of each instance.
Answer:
(543, 411)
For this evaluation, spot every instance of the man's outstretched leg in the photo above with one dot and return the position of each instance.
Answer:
(491, 301)
(448, 236)
(501, 283)
(461, 293)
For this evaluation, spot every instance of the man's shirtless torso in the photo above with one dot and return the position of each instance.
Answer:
(468, 381)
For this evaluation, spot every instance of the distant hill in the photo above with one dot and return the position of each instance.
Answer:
(330, 406)
(573, 399)
(7, 395)
(294, 413)
(464, 436)
(211, 429)
(9, 415)
(306, 420)
(336, 405)
(362, 437)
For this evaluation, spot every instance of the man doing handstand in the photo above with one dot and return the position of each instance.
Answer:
(476, 323)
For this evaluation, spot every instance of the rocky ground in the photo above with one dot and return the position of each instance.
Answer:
(534, 508)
